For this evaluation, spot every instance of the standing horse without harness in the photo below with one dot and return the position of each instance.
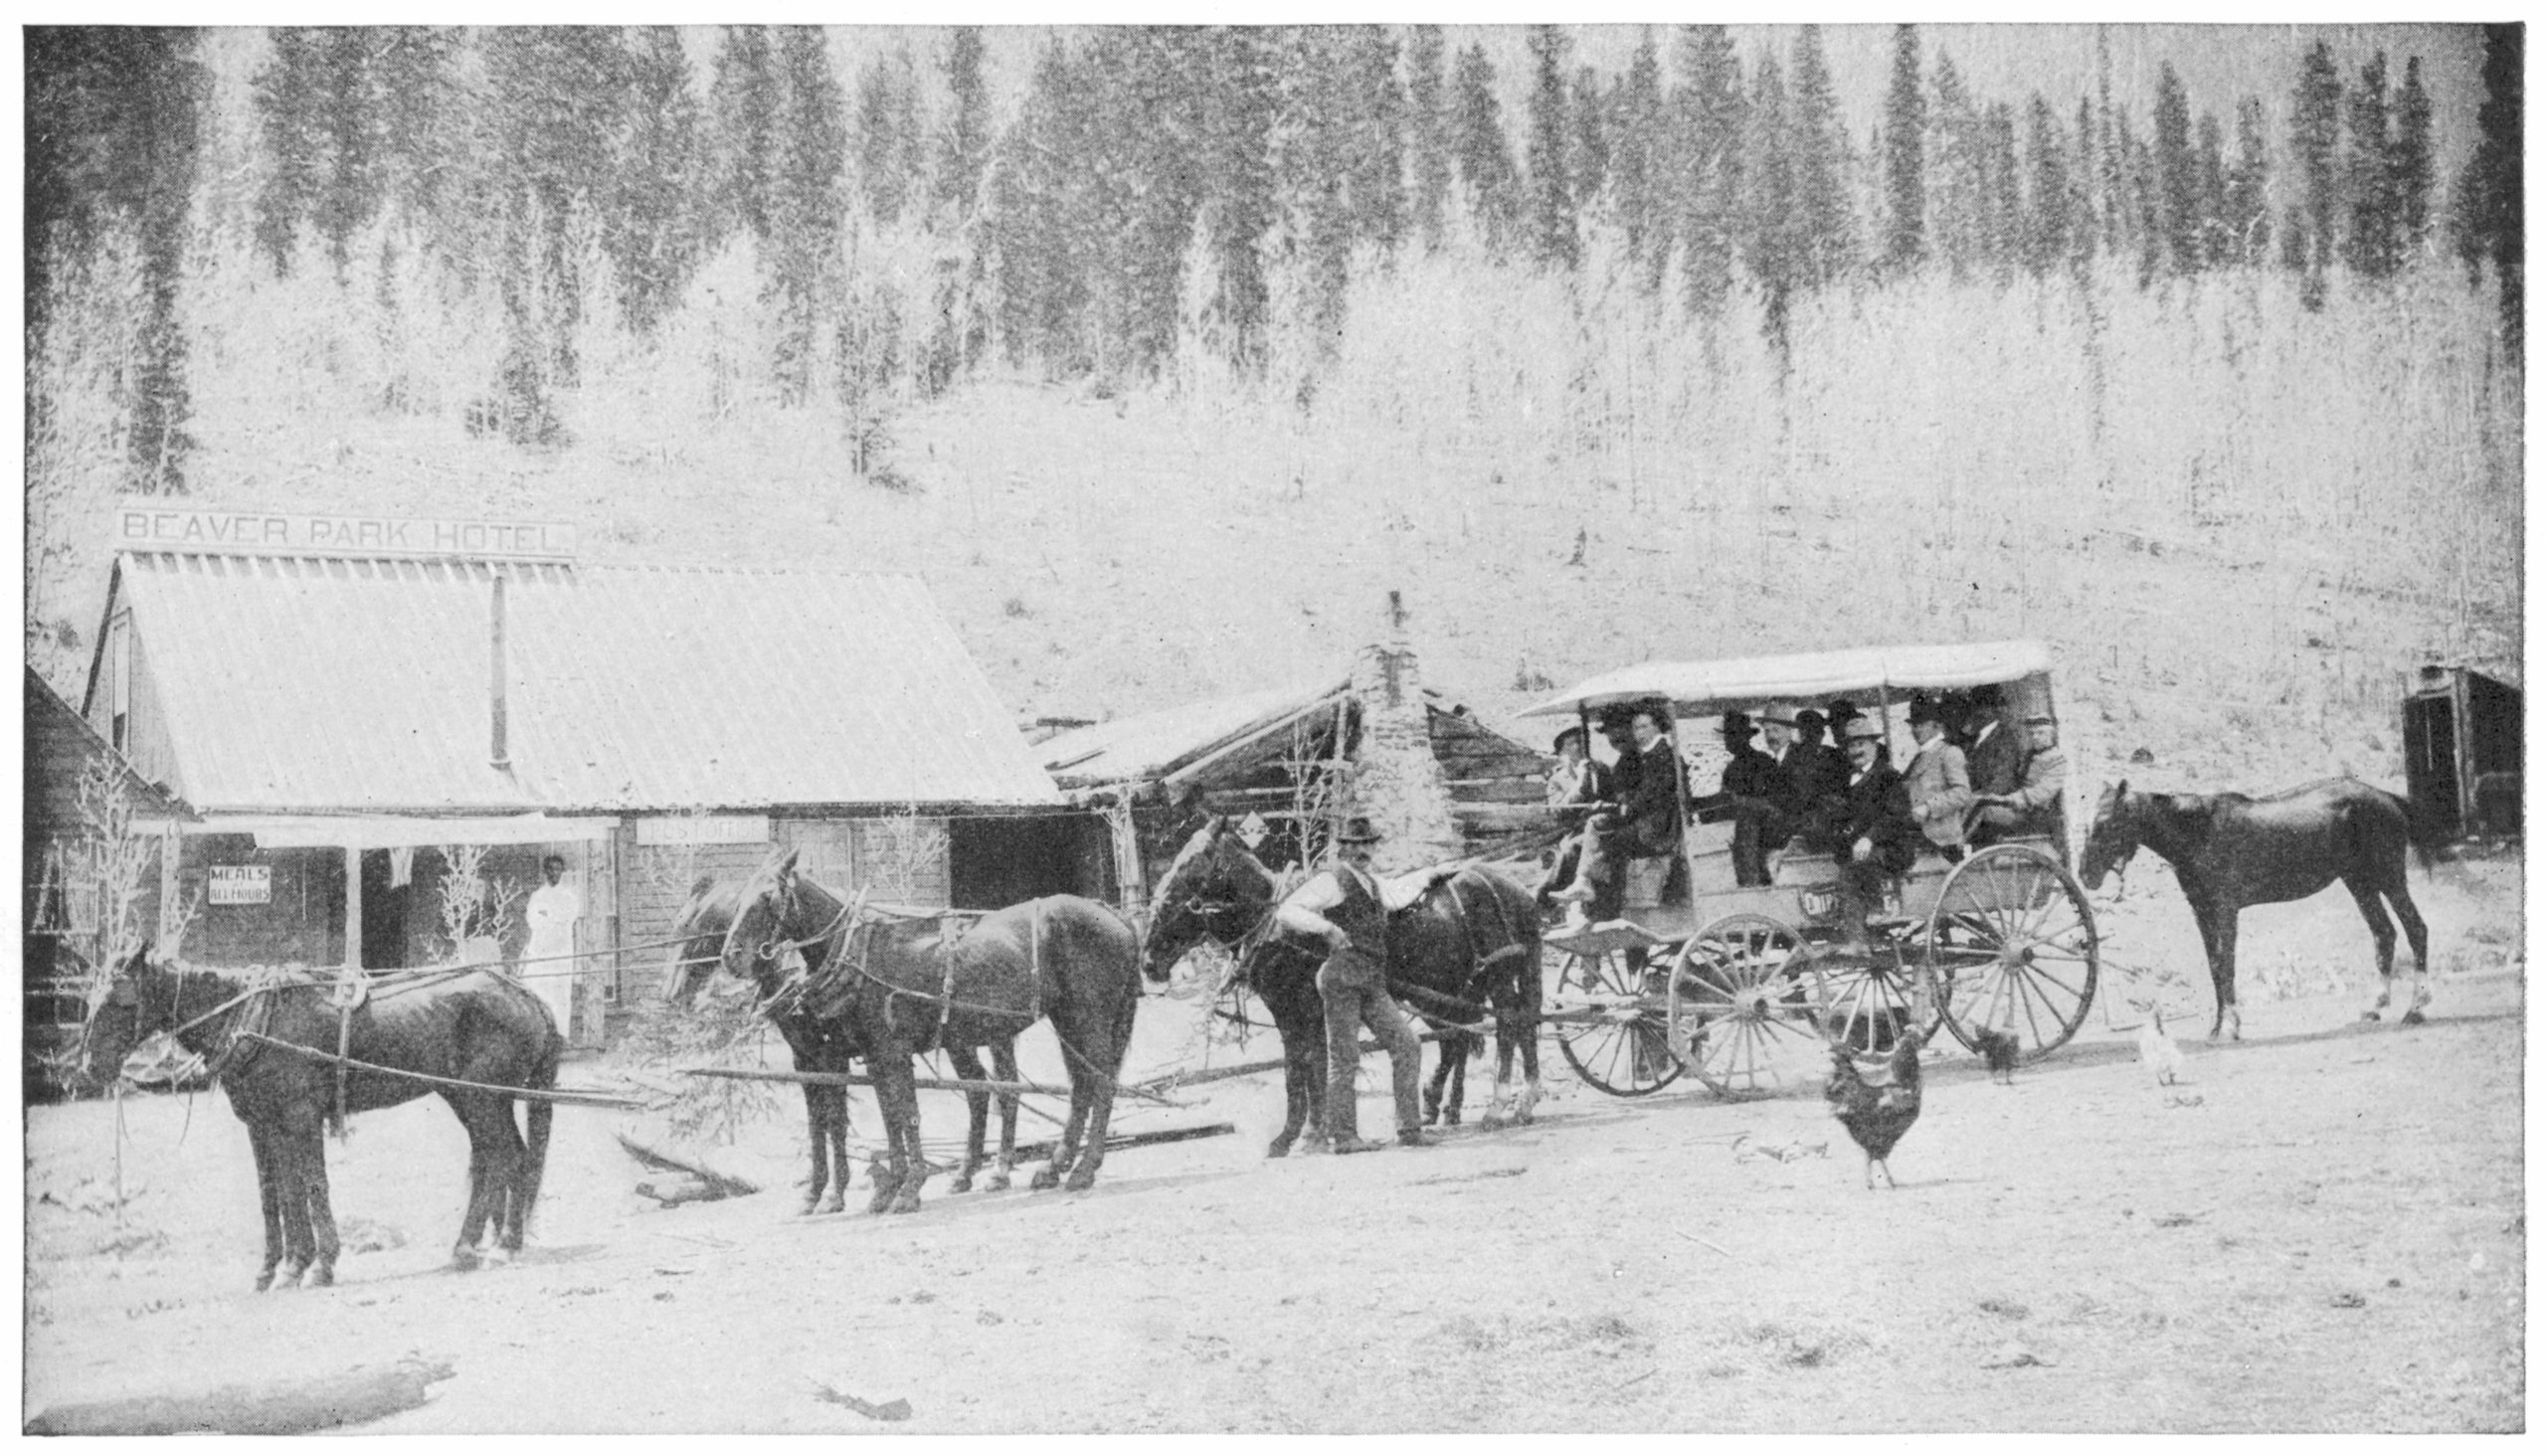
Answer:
(900, 988)
(280, 1053)
(1466, 946)
(2229, 851)
(824, 1047)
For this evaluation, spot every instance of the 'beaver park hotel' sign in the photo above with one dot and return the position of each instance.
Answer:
(142, 525)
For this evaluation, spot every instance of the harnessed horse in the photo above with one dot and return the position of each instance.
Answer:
(1438, 962)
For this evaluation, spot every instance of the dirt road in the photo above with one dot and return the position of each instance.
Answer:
(2325, 1229)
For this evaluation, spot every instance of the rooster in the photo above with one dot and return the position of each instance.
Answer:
(2000, 1050)
(1877, 1117)
(2157, 1051)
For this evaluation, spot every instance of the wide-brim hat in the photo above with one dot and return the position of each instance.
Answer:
(1924, 709)
(1358, 831)
(1738, 725)
(1778, 713)
(1574, 732)
(1863, 725)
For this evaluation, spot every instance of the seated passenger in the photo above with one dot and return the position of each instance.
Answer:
(1647, 821)
(1939, 783)
(1876, 835)
(1753, 790)
(2033, 806)
(1995, 756)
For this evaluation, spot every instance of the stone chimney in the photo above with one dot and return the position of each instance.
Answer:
(1398, 784)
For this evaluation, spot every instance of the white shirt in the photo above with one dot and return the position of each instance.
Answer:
(551, 915)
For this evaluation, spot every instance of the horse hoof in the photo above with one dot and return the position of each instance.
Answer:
(287, 1278)
(1045, 1180)
(1279, 1148)
(2371, 1016)
(1079, 1181)
(998, 1183)
(2414, 1018)
(265, 1280)
(1494, 1121)
(320, 1276)
(1451, 1120)
(463, 1259)
(906, 1204)
(836, 1202)
(962, 1184)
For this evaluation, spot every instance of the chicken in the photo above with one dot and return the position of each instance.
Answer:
(2157, 1051)
(1877, 1116)
(2000, 1050)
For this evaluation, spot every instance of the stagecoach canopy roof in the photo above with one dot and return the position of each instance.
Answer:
(306, 686)
(1743, 682)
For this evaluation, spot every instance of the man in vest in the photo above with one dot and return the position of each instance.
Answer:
(1340, 905)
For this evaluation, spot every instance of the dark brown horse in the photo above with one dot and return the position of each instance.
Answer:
(464, 1027)
(1469, 946)
(901, 987)
(2229, 851)
(821, 1045)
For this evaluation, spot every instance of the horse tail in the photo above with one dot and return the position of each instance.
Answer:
(539, 1115)
(2421, 830)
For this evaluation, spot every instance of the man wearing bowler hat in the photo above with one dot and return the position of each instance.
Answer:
(1340, 905)
(1876, 836)
(1938, 779)
(1751, 787)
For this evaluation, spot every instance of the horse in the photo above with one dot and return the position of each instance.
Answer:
(1446, 954)
(2229, 851)
(463, 1025)
(901, 986)
(822, 1046)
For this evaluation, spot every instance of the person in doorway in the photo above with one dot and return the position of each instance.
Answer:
(548, 963)
(1340, 905)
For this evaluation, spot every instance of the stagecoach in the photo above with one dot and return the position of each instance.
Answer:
(1744, 986)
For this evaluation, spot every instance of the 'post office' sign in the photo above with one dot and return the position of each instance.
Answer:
(146, 525)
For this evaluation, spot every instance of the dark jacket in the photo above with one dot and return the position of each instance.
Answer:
(1997, 763)
(1876, 808)
(1752, 775)
(1360, 915)
(1650, 802)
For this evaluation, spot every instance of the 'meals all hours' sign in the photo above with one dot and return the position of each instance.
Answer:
(242, 884)
(145, 525)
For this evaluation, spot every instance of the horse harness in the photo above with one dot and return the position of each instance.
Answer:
(944, 1000)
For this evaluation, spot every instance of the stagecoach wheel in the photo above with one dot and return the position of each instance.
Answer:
(1741, 1010)
(1868, 1001)
(2012, 945)
(1609, 1025)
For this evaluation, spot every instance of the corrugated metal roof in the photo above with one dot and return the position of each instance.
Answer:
(1735, 682)
(1152, 745)
(304, 686)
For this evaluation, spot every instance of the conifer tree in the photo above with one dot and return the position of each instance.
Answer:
(1427, 140)
(1373, 139)
(1773, 226)
(741, 102)
(2086, 224)
(1587, 141)
(1711, 122)
(2412, 166)
(1484, 155)
(1238, 142)
(963, 143)
(2048, 203)
(1904, 129)
(2209, 194)
(2002, 212)
(1955, 126)
(1640, 152)
(650, 229)
(2247, 211)
(2491, 205)
(1821, 164)
(808, 158)
(115, 122)
(1554, 238)
(2178, 181)
(2316, 137)
(2369, 174)
(887, 132)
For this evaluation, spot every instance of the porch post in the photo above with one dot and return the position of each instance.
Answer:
(353, 907)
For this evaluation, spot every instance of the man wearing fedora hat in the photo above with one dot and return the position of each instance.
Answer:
(1939, 780)
(1876, 836)
(1340, 905)
(1751, 787)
